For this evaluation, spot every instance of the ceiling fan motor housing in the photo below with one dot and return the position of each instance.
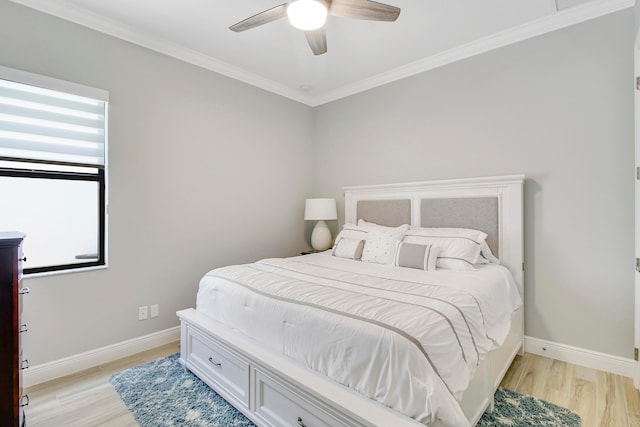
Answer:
(307, 15)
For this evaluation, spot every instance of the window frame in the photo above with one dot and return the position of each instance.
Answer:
(98, 177)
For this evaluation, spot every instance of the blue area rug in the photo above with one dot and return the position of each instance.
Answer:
(519, 410)
(164, 394)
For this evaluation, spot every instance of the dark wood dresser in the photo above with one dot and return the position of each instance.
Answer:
(11, 360)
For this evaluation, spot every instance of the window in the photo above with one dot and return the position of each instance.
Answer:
(53, 170)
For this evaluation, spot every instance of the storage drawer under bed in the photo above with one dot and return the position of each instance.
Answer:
(220, 367)
(280, 405)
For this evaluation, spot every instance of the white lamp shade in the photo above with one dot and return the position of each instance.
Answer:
(320, 209)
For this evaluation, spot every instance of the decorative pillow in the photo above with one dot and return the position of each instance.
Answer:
(380, 247)
(352, 232)
(412, 255)
(348, 248)
(459, 248)
(380, 242)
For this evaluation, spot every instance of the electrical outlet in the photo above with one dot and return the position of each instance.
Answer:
(142, 313)
(154, 310)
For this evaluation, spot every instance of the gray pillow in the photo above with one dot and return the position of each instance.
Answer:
(413, 255)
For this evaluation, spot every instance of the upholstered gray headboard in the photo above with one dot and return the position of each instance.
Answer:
(385, 212)
(478, 213)
(492, 205)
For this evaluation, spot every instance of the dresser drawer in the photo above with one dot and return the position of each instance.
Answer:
(219, 366)
(280, 406)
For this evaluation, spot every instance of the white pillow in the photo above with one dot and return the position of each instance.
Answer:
(486, 256)
(459, 248)
(413, 255)
(373, 226)
(348, 248)
(380, 243)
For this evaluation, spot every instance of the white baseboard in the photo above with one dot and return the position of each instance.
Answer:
(580, 356)
(79, 362)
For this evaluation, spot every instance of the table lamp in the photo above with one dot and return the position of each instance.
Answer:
(320, 210)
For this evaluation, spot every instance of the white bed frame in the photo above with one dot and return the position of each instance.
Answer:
(273, 390)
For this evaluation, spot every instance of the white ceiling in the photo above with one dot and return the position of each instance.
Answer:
(361, 54)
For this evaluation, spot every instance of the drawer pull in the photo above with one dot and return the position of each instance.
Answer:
(23, 290)
(24, 328)
(300, 423)
(214, 363)
(24, 364)
(24, 400)
(23, 259)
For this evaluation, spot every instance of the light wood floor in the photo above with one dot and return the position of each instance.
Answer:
(87, 399)
(601, 399)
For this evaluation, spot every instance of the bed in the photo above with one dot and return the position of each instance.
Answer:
(324, 340)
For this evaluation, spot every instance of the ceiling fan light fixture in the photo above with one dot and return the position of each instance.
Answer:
(307, 15)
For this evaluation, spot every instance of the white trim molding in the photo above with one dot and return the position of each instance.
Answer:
(565, 18)
(582, 357)
(69, 365)
(555, 21)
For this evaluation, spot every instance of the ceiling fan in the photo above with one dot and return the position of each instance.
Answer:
(310, 16)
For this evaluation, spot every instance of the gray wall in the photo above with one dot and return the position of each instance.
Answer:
(558, 108)
(232, 164)
(204, 171)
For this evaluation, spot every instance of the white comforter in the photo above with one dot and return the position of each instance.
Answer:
(407, 338)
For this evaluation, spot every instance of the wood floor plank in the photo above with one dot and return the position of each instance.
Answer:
(513, 375)
(93, 410)
(558, 386)
(125, 420)
(611, 403)
(586, 374)
(534, 376)
(632, 395)
(583, 401)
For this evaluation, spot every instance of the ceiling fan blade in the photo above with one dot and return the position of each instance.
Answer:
(363, 9)
(261, 18)
(317, 40)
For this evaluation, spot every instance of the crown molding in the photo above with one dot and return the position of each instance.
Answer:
(562, 19)
(66, 11)
(559, 20)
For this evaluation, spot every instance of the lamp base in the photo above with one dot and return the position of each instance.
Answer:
(321, 237)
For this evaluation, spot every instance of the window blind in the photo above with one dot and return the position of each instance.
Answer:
(44, 125)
